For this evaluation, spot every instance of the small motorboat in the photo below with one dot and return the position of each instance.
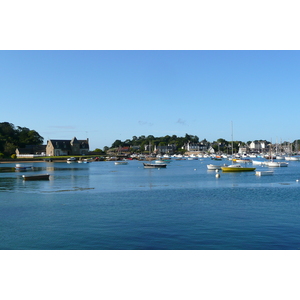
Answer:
(71, 160)
(36, 177)
(243, 160)
(258, 162)
(237, 168)
(293, 158)
(276, 164)
(264, 173)
(161, 161)
(121, 162)
(214, 167)
(20, 167)
(154, 166)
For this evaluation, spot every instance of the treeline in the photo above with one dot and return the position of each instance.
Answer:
(142, 140)
(12, 137)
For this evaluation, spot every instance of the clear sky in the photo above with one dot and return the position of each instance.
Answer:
(109, 95)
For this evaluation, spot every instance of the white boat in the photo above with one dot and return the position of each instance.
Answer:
(276, 164)
(71, 160)
(214, 167)
(121, 162)
(161, 162)
(257, 162)
(154, 166)
(292, 158)
(243, 160)
(272, 163)
(264, 173)
(20, 167)
(192, 157)
(87, 160)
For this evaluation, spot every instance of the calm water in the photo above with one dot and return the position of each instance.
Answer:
(106, 206)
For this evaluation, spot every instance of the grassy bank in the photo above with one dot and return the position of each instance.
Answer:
(44, 158)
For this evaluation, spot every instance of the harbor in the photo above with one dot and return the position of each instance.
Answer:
(185, 206)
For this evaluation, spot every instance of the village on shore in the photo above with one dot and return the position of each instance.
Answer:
(59, 149)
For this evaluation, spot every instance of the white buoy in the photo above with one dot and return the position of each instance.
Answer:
(297, 180)
(217, 171)
(217, 175)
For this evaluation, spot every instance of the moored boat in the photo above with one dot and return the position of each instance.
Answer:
(264, 173)
(154, 165)
(258, 162)
(276, 164)
(243, 160)
(214, 167)
(216, 158)
(292, 158)
(71, 160)
(237, 168)
(20, 167)
(121, 162)
(161, 162)
(36, 177)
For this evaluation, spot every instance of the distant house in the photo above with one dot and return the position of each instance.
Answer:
(211, 150)
(196, 146)
(67, 147)
(31, 151)
(170, 149)
(243, 150)
(125, 149)
(257, 146)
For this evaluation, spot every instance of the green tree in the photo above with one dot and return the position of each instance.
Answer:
(9, 148)
(11, 137)
(116, 144)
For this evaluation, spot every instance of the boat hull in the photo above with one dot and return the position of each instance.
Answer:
(276, 164)
(264, 173)
(213, 167)
(121, 163)
(36, 177)
(238, 169)
(154, 166)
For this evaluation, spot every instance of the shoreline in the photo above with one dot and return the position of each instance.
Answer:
(27, 161)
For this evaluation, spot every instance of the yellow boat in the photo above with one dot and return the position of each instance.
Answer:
(236, 168)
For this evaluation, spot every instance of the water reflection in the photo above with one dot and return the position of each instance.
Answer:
(62, 178)
(6, 169)
(7, 183)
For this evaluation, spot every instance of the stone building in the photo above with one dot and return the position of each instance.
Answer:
(67, 147)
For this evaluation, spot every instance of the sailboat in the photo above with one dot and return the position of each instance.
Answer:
(155, 165)
(272, 163)
(235, 167)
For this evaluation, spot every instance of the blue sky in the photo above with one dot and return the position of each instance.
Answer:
(109, 95)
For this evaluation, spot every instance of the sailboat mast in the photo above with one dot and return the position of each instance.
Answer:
(231, 138)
